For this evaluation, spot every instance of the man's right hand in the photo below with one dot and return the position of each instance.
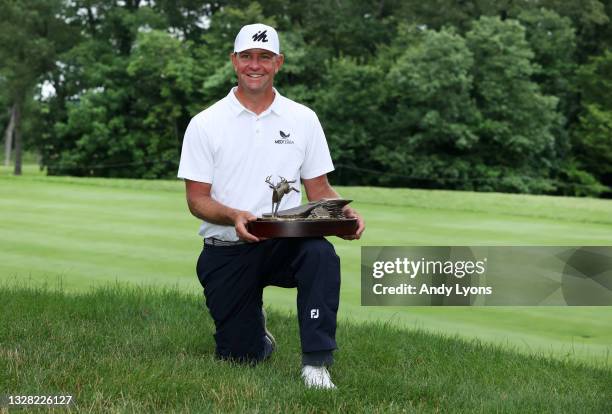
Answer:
(241, 219)
(204, 207)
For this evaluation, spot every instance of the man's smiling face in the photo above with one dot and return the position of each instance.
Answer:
(256, 69)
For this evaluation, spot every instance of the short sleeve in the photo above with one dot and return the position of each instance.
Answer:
(317, 160)
(196, 156)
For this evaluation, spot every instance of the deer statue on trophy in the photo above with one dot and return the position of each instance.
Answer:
(278, 191)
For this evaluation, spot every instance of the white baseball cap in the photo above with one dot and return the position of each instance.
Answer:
(257, 36)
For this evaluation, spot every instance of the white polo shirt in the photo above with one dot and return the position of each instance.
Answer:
(234, 149)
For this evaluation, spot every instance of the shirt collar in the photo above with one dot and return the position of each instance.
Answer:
(238, 108)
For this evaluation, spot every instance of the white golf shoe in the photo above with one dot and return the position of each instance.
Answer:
(317, 377)
(268, 333)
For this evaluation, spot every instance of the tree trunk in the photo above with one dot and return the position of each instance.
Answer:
(8, 138)
(18, 108)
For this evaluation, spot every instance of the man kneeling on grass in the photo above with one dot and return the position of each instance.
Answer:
(228, 152)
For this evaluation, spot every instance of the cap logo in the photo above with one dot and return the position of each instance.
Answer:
(260, 36)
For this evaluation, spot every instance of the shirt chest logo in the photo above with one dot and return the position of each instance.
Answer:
(284, 138)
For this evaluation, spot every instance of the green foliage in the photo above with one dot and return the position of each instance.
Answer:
(593, 137)
(553, 41)
(431, 83)
(516, 131)
(127, 106)
(434, 115)
(596, 80)
(595, 145)
(29, 31)
(32, 33)
(349, 105)
(476, 94)
(164, 75)
(354, 28)
(591, 18)
(161, 73)
(578, 182)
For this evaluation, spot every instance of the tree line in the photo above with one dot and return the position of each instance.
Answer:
(511, 95)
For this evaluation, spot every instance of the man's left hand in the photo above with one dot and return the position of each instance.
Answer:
(352, 213)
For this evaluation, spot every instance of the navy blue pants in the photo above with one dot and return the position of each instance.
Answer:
(234, 277)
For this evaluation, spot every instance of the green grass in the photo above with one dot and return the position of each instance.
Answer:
(122, 349)
(79, 233)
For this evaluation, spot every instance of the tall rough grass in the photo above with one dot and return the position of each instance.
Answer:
(131, 349)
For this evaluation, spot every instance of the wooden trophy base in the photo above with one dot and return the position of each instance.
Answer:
(273, 228)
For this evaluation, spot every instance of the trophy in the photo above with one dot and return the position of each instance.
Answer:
(317, 218)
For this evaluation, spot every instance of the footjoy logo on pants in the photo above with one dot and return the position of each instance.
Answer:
(314, 314)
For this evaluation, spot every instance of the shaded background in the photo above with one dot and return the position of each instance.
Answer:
(510, 96)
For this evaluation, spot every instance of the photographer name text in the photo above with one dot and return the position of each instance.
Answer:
(409, 268)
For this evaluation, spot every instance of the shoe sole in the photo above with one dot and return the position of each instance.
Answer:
(268, 333)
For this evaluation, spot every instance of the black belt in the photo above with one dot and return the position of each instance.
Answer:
(211, 241)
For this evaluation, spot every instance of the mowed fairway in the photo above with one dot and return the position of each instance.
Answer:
(86, 232)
